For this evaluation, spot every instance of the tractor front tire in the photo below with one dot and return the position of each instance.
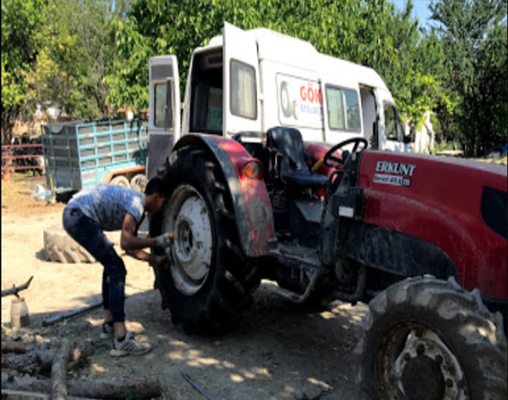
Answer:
(209, 281)
(429, 339)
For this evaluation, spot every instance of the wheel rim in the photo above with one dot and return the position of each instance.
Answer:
(415, 364)
(188, 216)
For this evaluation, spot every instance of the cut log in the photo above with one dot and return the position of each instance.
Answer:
(59, 371)
(19, 395)
(13, 347)
(41, 360)
(142, 389)
(25, 383)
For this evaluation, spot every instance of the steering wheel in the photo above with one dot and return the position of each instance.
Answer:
(339, 161)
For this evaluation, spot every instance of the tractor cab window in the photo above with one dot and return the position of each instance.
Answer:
(160, 94)
(393, 126)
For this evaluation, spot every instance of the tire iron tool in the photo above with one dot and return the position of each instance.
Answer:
(198, 388)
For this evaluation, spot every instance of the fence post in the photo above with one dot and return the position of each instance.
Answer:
(6, 167)
(6, 175)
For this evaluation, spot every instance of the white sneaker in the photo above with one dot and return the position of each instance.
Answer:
(129, 346)
(107, 332)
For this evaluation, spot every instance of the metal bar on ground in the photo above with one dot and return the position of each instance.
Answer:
(74, 313)
(16, 289)
(198, 387)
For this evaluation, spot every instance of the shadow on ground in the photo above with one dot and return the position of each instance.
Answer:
(275, 350)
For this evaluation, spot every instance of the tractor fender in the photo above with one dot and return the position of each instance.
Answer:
(253, 211)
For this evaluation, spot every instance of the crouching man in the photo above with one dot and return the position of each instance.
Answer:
(110, 208)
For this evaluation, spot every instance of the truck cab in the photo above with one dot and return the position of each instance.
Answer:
(250, 81)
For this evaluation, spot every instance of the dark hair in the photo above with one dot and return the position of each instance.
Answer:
(157, 185)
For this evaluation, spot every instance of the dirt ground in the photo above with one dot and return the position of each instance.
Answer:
(275, 351)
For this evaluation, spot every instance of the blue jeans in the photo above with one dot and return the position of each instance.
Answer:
(88, 234)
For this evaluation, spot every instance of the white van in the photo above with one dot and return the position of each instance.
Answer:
(258, 79)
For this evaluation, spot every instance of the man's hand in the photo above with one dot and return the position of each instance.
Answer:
(165, 240)
(158, 261)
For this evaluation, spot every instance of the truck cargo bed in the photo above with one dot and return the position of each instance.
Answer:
(80, 155)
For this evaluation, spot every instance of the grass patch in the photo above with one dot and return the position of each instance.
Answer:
(501, 161)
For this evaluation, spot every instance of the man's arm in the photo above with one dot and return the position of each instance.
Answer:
(134, 246)
(128, 239)
(141, 255)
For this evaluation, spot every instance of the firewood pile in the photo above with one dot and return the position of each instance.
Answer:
(42, 373)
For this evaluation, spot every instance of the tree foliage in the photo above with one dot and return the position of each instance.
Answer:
(371, 33)
(474, 38)
(23, 35)
(90, 57)
(57, 53)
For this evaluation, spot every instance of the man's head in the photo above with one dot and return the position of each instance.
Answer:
(155, 195)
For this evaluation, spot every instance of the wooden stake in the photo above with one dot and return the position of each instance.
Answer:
(59, 371)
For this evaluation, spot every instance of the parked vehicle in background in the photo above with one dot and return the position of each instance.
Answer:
(253, 80)
(81, 154)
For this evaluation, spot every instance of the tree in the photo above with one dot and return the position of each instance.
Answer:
(90, 56)
(24, 33)
(84, 48)
(371, 33)
(474, 37)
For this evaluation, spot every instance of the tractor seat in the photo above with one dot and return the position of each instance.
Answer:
(288, 144)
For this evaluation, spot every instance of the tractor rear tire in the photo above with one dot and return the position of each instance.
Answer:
(60, 247)
(209, 281)
(429, 339)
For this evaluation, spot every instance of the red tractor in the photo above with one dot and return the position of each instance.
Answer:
(423, 239)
